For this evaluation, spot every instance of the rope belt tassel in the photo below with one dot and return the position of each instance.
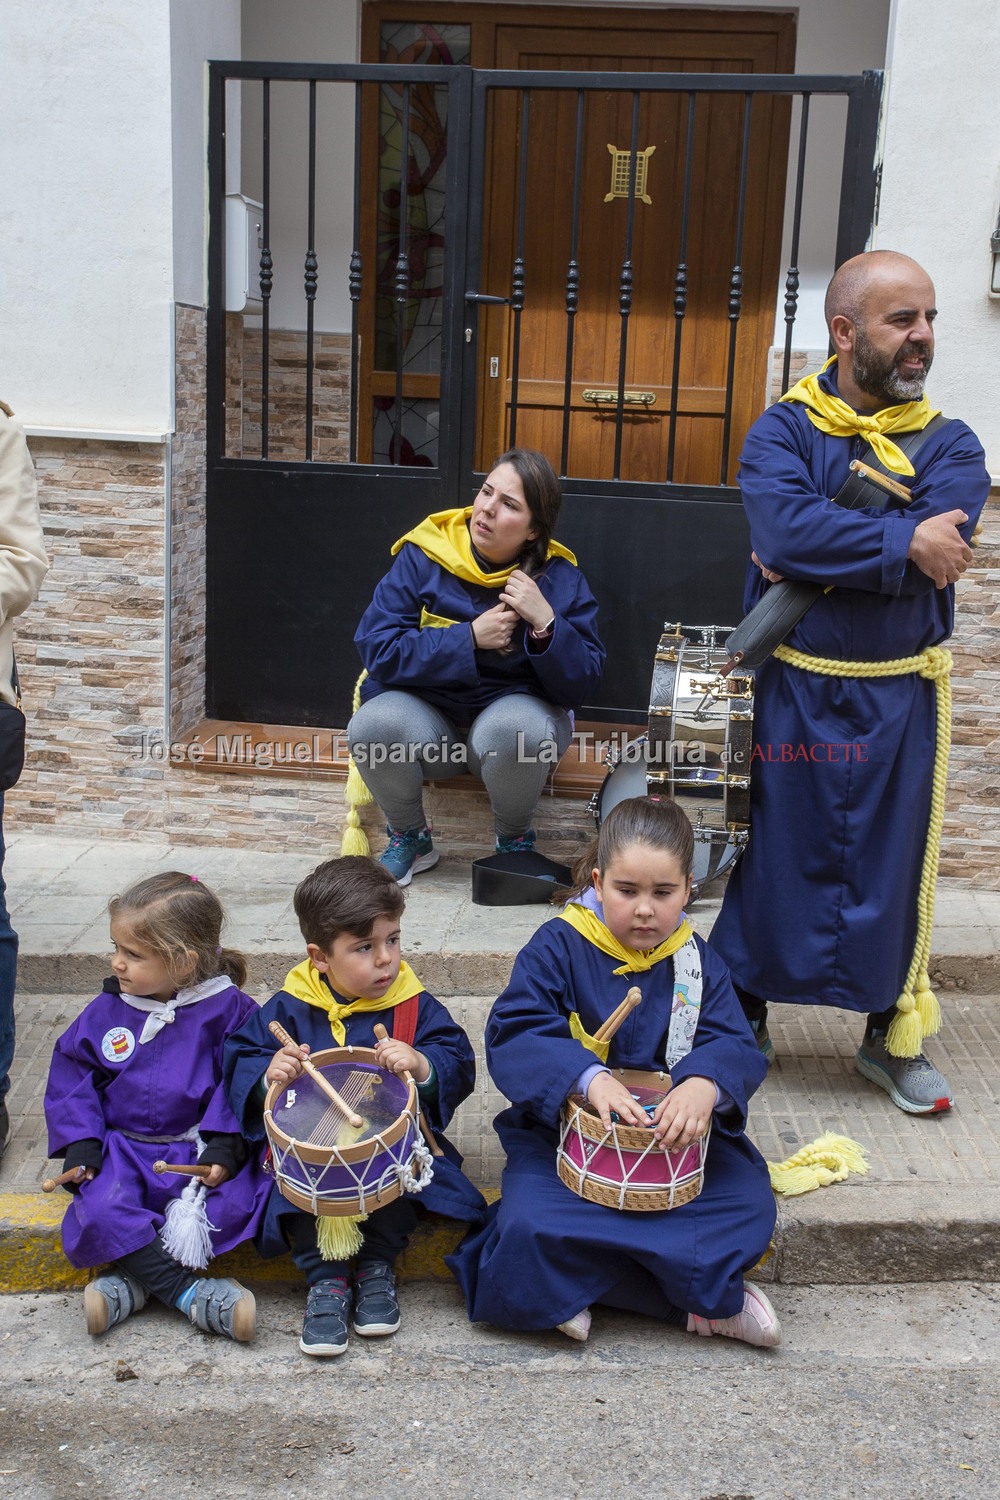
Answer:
(918, 1013)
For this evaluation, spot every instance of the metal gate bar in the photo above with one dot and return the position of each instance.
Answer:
(792, 276)
(680, 289)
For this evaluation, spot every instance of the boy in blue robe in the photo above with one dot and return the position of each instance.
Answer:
(545, 1254)
(354, 979)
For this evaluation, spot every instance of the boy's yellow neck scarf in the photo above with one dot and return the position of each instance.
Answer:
(589, 925)
(831, 414)
(445, 539)
(306, 983)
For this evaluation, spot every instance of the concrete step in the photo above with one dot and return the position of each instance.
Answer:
(929, 1209)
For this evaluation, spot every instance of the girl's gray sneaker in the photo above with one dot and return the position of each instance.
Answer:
(226, 1307)
(111, 1299)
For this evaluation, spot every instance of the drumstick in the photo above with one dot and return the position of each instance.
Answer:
(605, 1032)
(425, 1129)
(873, 476)
(276, 1028)
(174, 1166)
(73, 1175)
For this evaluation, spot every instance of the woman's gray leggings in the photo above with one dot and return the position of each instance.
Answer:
(398, 741)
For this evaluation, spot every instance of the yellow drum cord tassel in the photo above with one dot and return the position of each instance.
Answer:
(356, 795)
(918, 1013)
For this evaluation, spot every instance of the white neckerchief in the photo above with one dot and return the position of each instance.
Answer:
(161, 1013)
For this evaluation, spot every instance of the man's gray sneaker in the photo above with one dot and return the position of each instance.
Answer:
(222, 1306)
(111, 1299)
(912, 1083)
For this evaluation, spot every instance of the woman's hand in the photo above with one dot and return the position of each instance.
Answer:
(685, 1114)
(523, 595)
(769, 573)
(492, 630)
(607, 1093)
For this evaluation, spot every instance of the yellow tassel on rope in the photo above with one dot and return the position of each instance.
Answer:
(830, 1158)
(918, 1012)
(338, 1236)
(356, 794)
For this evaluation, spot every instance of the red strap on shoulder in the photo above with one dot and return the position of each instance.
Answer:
(404, 1020)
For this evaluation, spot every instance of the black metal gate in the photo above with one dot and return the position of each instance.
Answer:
(323, 448)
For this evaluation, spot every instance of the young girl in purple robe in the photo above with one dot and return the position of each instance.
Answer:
(546, 1255)
(137, 1078)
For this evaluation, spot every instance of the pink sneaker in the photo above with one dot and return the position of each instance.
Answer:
(577, 1327)
(756, 1324)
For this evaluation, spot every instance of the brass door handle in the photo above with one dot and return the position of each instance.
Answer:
(630, 398)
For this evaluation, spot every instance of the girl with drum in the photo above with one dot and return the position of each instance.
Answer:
(478, 643)
(545, 1254)
(136, 1078)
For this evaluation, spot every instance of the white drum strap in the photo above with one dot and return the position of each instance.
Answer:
(687, 1003)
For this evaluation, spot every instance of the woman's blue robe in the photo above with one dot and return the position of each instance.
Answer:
(822, 907)
(544, 1253)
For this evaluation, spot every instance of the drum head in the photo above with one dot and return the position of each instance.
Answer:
(626, 779)
(305, 1113)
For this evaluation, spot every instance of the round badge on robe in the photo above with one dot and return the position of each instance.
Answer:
(118, 1044)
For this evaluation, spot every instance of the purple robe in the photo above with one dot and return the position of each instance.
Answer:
(106, 1085)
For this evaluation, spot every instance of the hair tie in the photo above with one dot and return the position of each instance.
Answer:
(219, 951)
(193, 879)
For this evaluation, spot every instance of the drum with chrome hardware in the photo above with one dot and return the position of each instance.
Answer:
(697, 747)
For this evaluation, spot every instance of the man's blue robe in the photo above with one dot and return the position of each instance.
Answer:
(822, 907)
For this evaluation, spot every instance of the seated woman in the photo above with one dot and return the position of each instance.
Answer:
(478, 643)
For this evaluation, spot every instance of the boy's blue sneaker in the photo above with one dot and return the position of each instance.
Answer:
(324, 1329)
(407, 854)
(912, 1083)
(376, 1310)
(111, 1299)
(524, 843)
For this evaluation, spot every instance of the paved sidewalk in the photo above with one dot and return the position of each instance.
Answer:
(930, 1208)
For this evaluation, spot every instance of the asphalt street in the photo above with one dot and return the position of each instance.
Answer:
(876, 1391)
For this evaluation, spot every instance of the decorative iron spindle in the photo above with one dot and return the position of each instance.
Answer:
(625, 286)
(681, 291)
(518, 278)
(792, 279)
(572, 286)
(266, 276)
(354, 284)
(401, 280)
(736, 287)
(311, 269)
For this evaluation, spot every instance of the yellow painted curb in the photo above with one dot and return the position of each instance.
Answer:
(32, 1259)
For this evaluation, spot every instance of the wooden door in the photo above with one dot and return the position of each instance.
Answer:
(674, 42)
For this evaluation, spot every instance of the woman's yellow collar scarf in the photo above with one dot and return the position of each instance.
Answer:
(306, 983)
(632, 960)
(444, 538)
(832, 415)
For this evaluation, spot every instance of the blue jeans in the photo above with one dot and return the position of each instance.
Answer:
(8, 977)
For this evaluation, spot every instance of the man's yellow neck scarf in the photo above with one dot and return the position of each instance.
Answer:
(632, 960)
(445, 539)
(831, 414)
(306, 983)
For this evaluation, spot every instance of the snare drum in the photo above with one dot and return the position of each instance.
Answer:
(625, 1167)
(697, 748)
(324, 1165)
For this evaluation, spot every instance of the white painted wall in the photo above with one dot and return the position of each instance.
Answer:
(198, 31)
(85, 214)
(941, 188)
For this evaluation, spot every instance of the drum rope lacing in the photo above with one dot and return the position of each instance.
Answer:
(325, 1134)
(609, 1141)
(919, 1014)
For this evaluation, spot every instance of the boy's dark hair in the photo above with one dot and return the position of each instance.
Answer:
(345, 895)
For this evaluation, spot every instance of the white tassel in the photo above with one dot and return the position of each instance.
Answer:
(186, 1233)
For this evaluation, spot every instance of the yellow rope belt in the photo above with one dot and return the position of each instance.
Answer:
(918, 1013)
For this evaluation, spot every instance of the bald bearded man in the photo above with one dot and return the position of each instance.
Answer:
(830, 903)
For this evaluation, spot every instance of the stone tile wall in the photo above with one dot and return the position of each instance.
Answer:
(286, 393)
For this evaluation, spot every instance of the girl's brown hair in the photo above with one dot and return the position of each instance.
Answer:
(180, 919)
(654, 821)
(543, 494)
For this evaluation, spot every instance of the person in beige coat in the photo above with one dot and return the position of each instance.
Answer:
(23, 565)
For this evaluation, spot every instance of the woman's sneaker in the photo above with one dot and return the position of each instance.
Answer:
(376, 1310)
(522, 843)
(757, 1323)
(324, 1328)
(111, 1299)
(226, 1307)
(912, 1083)
(407, 854)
